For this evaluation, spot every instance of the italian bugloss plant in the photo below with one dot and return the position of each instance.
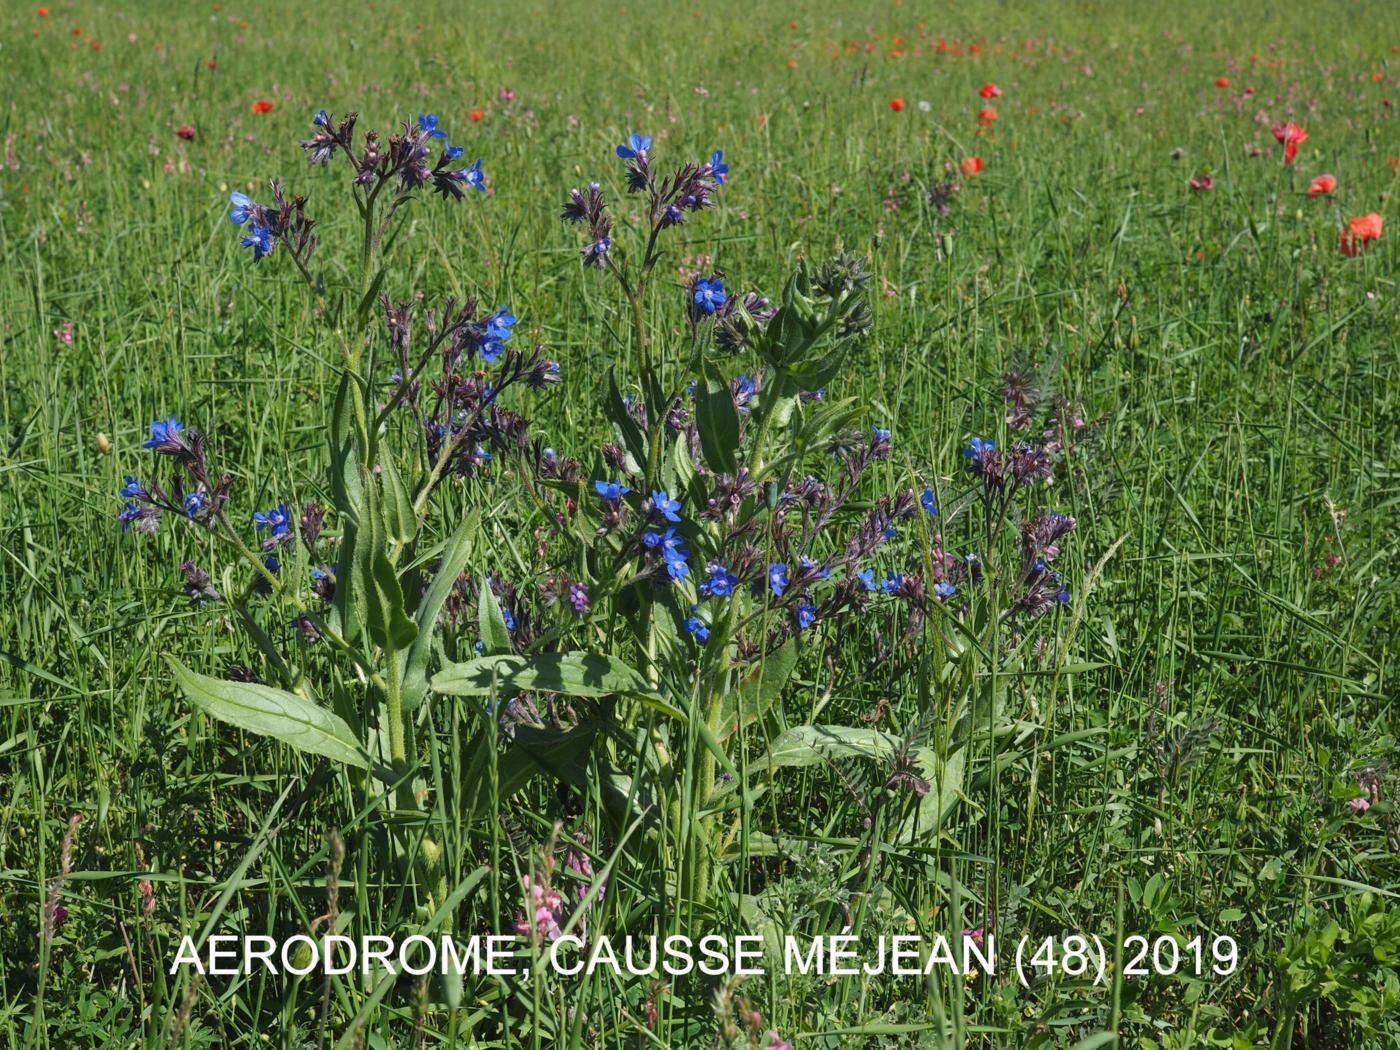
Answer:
(681, 573)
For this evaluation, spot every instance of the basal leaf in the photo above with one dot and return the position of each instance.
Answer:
(574, 674)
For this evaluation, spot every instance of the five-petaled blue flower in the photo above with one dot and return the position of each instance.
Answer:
(881, 434)
(260, 240)
(277, 520)
(720, 583)
(927, 501)
(778, 578)
(667, 507)
(242, 207)
(131, 489)
(473, 176)
(811, 565)
(165, 433)
(428, 122)
(321, 119)
(944, 589)
(977, 446)
(718, 167)
(611, 491)
(194, 503)
(891, 583)
(806, 615)
(496, 333)
(709, 293)
(867, 577)
(637, 144)
(697, 628)
(453, 152)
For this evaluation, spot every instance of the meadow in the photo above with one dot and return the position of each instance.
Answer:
(963, 505)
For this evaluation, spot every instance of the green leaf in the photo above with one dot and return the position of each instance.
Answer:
(495, 636)
(574, 674)
(757, 691)
(632, 438)
(399, 519)
(454, 561)
(378, 594)
(265, 711)
(718, 421)
(808, 745)
(945, 781)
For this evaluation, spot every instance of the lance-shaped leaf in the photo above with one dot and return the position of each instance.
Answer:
(454, 561)
(808, 745)
(491, 622)
(284, 716)
(377, 584)
(718, 421)
(758, 689)
(574, 674)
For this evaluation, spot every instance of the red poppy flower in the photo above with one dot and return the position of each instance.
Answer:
(1222, 82)
(77, 31)
(211, 64)
(1290, 135)
(185, 132)
(972, 166)
(1360, 232)
(1322, 185)
(475, 116)
(262, 106)
(989, 91)
(897, 104)
(1377, 77)
(1202, 183)
(97, 45)
(42, 12)
(986, 116)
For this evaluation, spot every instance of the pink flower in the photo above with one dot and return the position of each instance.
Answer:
(1360, 805)
(976, 936)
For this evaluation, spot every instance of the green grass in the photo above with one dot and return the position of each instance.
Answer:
(1216, 689)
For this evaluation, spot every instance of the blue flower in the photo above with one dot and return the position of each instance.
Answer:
(130, 512)
(1063, 596)
(778, 578)
(165, 434)
(867, 577)
(473, 176)
(709, 294)
(927, 501)
(720, 583)
(806, 615)
(453, 152)
(667, 507)
(194, 504)
(811, 565)
(242, 207)
(718, 166)
(610, 491)
(260, 240)
(637, 144)
(277, 520)
(428, 122)
(509, 620)
(697, 628)
(321, 119)
(131, 488)
(977, 446)
(880, 433)
(673, 549)
(271, 563)
(890, 583)
(944, 589)
(594, 253)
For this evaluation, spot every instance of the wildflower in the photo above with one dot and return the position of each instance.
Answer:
(144, 519)
(667, 507)
(261, 241)
(720, 583)
(986, 116)
(977, 447)
(1202, 183)
(989, 91)
(578, 597)
(806, 615)
(697, 628)
(1322, 185)
(1360, 231)
(594, 253)
(184, 132)
(243, 207)
(944, 589)
(926, 501)
(718, 168)
(1222, 82)
(778, 578)
(814, 568)
(891, 583)
(610, 491)
(1290, 135)
(777, 1042)
(428, 125)
(64, 333)
(1359, 805)
(709, 294)
(277, 520)
(262, 106)
(867, 578)
(972, 166)
(165, 437)
(195, 503)
(132, 489)
(637, 146)
(476, 116)
(897, 104)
